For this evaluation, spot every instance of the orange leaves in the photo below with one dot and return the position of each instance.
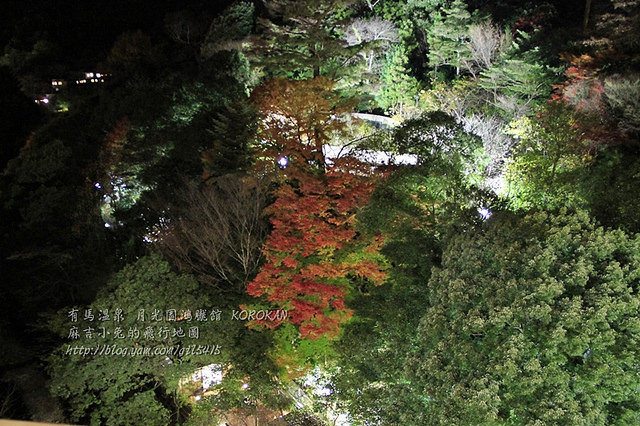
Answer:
(297, 119)
(584, 90)
(289, 262)
(305, 270)
(114, 143)
(314, 271)
(309, 254)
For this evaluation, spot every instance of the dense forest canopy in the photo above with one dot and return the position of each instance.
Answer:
(346, 212)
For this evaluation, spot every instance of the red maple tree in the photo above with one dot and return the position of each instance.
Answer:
(314, 252)
(584, 91)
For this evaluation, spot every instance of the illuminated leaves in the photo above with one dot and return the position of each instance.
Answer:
(297, 119)
(114, 143)
(302, 38)
(314, 250)
(534, 318)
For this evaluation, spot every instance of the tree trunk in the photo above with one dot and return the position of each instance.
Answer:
(587, 12)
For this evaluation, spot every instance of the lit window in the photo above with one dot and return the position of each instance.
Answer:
(89, 74)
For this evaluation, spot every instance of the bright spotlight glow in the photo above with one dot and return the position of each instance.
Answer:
(97, 185)
(107, 225)
(323, 392)
(484, 212)
(45, 100)
(283, 161)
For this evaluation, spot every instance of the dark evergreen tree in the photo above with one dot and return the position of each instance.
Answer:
(534, 319)
(302, 39)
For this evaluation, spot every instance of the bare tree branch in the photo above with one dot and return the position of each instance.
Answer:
(217, 231)
(486, 42)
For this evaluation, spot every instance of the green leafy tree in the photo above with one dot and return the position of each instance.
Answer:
(548, 160)
(228, 30)
(520, 77)
(115, 389)
(233, 131)
(516, 79)
(448, 35)
(418, 208)
(622, 96)
(94, 386)
(47, 221)
(302, 39)
(609, 186)
(443, 146)
(398, 88)
(533, 320)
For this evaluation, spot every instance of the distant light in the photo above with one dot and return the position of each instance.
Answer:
(97, 185)
(283, 162)
(484, 212)
(209, 375)
(45, 100)
(107, 225)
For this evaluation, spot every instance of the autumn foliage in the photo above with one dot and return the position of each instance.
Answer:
(114, 142)
(584, 90)
(314, 253)
(297, 118)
